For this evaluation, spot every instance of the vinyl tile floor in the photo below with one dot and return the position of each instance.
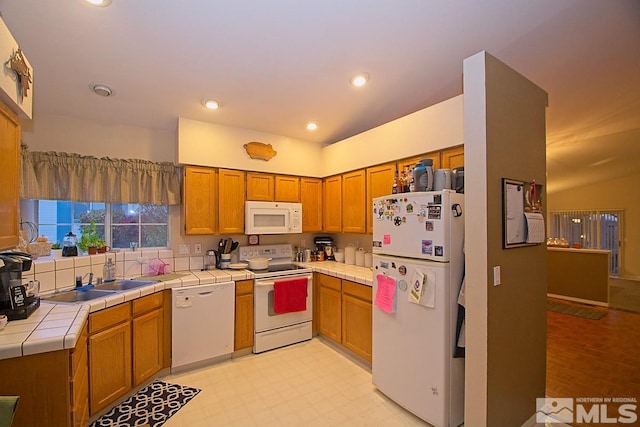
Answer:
(307, 384)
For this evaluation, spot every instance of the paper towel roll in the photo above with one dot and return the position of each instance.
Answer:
(360, 257)
(368, 259)
(350, 255)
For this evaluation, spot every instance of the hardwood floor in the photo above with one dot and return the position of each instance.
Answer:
(594, 358)
(624, 294)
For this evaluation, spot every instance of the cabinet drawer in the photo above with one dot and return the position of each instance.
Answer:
(144, 304)
(108, 317)
(244, 287)
(329, 282)
(357, 290)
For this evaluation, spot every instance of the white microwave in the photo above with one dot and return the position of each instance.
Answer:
(272, 218)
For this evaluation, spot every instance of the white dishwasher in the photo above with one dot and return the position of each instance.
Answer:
(202, 324)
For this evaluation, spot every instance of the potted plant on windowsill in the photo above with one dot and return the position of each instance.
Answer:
(90, 241)
(56, 250)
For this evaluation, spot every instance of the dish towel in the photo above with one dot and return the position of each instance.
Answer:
(290, 295)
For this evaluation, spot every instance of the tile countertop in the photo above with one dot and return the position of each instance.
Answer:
(363, 275)
(54, 327)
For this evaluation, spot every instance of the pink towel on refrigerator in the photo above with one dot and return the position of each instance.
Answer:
(290, 295)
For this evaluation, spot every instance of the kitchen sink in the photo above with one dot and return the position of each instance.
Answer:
(75, 295)
(123, 285)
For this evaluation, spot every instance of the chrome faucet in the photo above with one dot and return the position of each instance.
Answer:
(79, 280)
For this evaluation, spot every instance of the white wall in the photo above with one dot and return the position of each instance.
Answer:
(430, 129)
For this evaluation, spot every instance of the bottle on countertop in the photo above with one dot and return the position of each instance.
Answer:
(109, 271)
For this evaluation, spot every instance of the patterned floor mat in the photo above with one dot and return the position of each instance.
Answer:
(587, 313)
(153, 406)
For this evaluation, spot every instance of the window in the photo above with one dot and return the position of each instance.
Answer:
(119, 224)
(592, 230)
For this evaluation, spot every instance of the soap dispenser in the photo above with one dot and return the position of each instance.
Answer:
(109, 271)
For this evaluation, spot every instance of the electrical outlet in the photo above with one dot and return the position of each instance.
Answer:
(356, 243)
(496, 275)
(142, 260)
(303, 243)
(184, 250)
(197, 248)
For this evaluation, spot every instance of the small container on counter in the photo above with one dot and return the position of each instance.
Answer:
(360, 257)
(350, 254)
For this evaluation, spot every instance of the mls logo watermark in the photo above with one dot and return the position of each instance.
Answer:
(587, 409)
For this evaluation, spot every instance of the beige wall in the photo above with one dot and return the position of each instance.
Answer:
(621, 193)
(92, 138)
(504, 125)
(21, 105)
(209, 144)
(430, 129)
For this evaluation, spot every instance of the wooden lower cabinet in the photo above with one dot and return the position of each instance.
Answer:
(109, 365)
(243, 315)
(45, 386)
(357, 318)
(330, 307)
(80, 381)
(345, 313)
(147, 336)
(127, 346)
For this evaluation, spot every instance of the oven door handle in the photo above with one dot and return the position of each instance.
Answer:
(265, 283)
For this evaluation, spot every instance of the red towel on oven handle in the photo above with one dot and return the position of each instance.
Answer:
(290, 295)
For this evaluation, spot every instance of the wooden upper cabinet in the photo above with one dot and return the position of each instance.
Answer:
(199, 200)
(231, 190)
(453, 157)
(260, 186)
(411, 161)
(379, 183)
(354, 218)
(10, 166)
(287, 188)
(332, 204)
(311, 198)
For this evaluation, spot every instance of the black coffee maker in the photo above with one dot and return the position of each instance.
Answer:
(15, 303)
(326, 245)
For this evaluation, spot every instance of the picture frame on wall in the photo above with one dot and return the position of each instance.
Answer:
(521, 210)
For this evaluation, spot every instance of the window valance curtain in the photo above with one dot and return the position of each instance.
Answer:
(67, 176)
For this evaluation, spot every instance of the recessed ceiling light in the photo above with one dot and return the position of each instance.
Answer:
(100, 3)
(211, 104)
(100, 89)
(359, 79)
(312, 125)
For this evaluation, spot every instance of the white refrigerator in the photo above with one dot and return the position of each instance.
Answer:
(418, 267)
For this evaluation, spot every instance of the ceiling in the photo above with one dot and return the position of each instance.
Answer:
(274, 65)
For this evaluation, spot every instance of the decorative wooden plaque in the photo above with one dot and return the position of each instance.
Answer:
(260, 150)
